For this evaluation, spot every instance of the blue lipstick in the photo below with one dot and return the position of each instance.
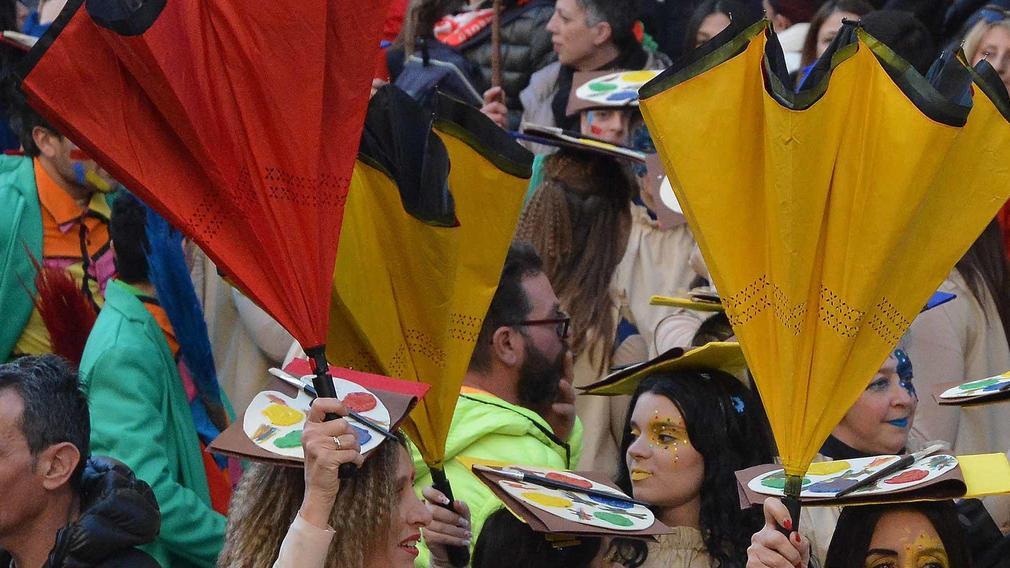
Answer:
(899, 423)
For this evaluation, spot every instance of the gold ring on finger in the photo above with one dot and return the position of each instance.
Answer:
(336, 440)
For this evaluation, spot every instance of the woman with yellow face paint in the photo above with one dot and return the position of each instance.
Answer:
(903, 535)
(686, 434)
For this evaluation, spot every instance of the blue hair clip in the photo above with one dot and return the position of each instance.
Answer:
(737, 404)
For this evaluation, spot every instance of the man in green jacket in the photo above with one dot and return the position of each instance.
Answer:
(517, 403)
(140, 411)
(52, 211)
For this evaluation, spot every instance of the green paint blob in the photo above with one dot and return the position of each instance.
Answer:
(779, 481)
(602, 87)
(292, 439)
(979, 384)
(613, 518)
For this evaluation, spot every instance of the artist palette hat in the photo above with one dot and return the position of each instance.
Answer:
(718, 355)
(606, 89)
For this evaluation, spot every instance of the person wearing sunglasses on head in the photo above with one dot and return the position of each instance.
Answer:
(517, 404)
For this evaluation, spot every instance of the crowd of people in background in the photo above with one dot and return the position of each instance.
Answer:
(107, 405)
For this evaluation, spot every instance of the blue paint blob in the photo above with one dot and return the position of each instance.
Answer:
(616, 503)
(830, 486)
(622, 96)
(363, 435)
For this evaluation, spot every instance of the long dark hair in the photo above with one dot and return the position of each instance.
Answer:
(505, 541)
(857, 7)
(579, 220)
(725, 428)
(856, 525)
(984, 267)
(734, 10)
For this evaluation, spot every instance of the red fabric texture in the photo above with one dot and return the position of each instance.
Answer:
(301, 367)
(238, 121)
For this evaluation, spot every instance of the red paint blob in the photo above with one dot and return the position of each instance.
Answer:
(360, 401)
(569, 480)
(908, 476)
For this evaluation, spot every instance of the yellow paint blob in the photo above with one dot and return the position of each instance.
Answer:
(547, 500)
(638, 76)
(281, 415)
(828, 467)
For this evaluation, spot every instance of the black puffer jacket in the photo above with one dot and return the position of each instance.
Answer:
(525, 48)
(118, 512)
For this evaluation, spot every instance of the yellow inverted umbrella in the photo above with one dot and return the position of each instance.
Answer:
(826, 217)
(429, 218)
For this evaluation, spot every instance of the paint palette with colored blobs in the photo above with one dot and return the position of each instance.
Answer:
(275, 421)
(979, 388)
(825, 479)
(615, 89)
(592, 510)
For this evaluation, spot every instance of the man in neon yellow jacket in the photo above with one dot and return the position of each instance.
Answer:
(517, 403)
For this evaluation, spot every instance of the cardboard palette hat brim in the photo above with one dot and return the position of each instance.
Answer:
(656, 179)
(980, 399)
(399, 397)
(686, 303)
(718, 355)
(560, 138)
(626, 94)
(554, 526)
(976, 475)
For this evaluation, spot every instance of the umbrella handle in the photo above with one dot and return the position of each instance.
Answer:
(323, 384)
(793, 505)
(459, 556)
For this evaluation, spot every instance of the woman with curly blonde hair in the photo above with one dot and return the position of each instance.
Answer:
(286, 517)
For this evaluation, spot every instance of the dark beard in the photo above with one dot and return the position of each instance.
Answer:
(538, 379)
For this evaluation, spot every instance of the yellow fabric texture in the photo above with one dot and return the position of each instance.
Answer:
(409, 298)
(825, 229)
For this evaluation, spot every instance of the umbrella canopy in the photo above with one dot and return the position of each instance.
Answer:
(238, 121)
(826, 217)
(433, 205)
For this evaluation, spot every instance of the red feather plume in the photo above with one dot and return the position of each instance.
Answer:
(66, 312)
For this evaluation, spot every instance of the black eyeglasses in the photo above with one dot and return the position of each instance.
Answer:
(563, 324)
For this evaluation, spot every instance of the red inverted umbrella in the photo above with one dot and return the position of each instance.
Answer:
(238, 121)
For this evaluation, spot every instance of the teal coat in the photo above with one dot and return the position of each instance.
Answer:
(140, 415)
(20, 229)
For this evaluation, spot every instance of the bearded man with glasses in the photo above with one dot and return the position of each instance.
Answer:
(517, 404)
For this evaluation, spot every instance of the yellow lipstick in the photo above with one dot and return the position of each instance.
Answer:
(639, 475)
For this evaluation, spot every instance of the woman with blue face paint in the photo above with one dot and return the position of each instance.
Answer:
(878, 423)
(881, 419)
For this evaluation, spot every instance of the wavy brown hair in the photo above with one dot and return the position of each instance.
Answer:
(268, 498)
(579, 220)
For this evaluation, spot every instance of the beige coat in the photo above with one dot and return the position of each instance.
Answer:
(245, 340)
(960, 341)
(655, 262)
(683, 548)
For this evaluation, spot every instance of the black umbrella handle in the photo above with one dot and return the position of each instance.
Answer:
(323, 384)
(459, 556)
(793, 505)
